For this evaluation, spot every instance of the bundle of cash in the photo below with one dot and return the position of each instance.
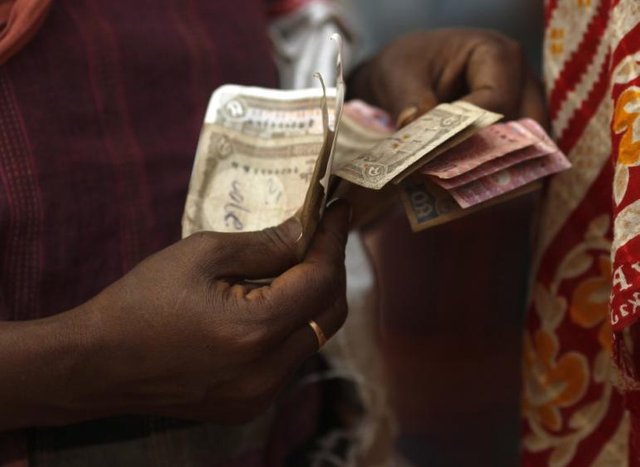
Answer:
(495, 164)
(265, 155)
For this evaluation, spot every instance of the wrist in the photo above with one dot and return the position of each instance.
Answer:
(38, 359)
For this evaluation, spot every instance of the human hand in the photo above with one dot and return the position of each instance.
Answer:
(184, 335)
(416, 72)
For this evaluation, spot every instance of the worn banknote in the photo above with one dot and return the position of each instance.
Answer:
(486, 145)
(427, 205)
(496, 164)
(487, 152)
(317, 194)
(509, 179)
(484, 119)
(263, 156)
(266, 155)
(418, 142)
(255, 158)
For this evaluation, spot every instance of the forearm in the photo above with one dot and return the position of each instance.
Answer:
(38, 359)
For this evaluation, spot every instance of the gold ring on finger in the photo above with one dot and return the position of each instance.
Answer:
(317, 330)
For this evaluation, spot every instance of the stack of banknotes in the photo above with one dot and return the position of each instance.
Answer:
(495, 164)
(265, 155)
(259, 147)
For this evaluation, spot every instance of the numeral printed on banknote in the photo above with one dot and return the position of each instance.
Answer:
(377, 166)
(265, 155)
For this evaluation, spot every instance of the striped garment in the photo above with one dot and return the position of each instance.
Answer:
(581, 387)
(99, 118)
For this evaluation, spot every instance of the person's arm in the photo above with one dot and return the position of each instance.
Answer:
(182, 334)
(36, 361)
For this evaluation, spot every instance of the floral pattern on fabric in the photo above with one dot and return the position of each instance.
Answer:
(587, 286)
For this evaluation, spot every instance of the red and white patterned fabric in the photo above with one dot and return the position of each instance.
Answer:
(580, 378)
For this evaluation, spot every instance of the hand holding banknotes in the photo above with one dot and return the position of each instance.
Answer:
(417, 72)
(420, 70)
(183, 334)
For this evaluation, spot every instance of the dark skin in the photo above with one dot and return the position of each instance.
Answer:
(183, 334)
(179, 335)
(420, 70)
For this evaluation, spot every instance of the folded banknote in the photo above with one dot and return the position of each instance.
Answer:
(265, 155)
(497, 161)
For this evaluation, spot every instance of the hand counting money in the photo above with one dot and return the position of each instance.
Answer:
(265, 155)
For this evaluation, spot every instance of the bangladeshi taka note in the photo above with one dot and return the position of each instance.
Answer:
(263, 155)
(490, 167)
(414, 144)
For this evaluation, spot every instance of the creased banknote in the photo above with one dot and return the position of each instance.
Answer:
(263, 156)
(482, 171)
(486, 145)
(509, 179)
(380, 164)
(255, 158)
(427, 205)
(310, 214)
(492, 151)
(483, 120)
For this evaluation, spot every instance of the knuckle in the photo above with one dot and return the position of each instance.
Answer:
(337, 243)
(334, 242)
(511, 47)
(500, 43)
(515, 49)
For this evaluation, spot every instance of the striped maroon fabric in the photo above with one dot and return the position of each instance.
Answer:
(99, 120)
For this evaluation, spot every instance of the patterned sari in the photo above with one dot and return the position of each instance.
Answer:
(580, 374)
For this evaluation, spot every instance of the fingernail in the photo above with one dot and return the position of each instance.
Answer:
(293, 227)
(406, 116)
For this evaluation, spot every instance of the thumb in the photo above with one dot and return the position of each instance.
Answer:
(257, 255)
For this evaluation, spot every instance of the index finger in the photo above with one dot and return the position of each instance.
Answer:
(303, 291)
(495, 76)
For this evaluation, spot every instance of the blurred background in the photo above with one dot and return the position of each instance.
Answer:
(379, 21)
(452, 298)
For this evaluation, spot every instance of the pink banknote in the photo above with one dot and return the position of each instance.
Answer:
(368, 116)
(509, 179)
(538, 149)
(487, 145)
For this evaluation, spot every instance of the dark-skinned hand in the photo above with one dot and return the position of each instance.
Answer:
(418, 71)
(185, 333)
(422, 69)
